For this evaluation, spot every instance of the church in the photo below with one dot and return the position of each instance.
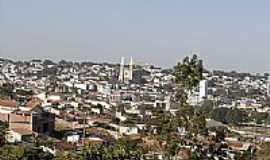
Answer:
(126, 73)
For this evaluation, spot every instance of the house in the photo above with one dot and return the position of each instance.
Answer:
(42, 121)
(239, 146)
(128, 130)
(7, 106)
(30, 105)
(31, 117)
(18, 135)
(72, 137)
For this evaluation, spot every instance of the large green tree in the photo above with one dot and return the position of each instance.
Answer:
(188, 75)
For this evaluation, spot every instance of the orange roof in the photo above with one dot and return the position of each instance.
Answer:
(236, 144)
(8, 103)
(33, 103)
(64, 146)
(22, 131)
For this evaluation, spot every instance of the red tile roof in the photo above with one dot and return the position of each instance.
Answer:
(35, 102)
(8, 103)
(22, 131)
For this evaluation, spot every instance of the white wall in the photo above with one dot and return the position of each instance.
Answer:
(13, 137)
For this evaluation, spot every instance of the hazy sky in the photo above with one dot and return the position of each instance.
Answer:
(227, 34)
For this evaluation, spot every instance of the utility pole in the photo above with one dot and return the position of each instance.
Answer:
(84, 123)
(83, 140)
(254, 141)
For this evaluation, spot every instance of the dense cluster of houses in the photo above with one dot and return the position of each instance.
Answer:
(77, 102)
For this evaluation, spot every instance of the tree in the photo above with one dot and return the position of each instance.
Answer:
(220, 133)
(189, 72)
(231, 116)
(23, 152)
(43, 141)
(172, 148)
(235, 116)
(36, 153)
(219, 114)
(6, 90)
(260, 117)
(267, 120)
(127, 149)
(11, 152)
(162, 122)
(188, 75)
(68, 155)
(190, 119)
(3, 131)
(206, 108)
(194, 156)
(48, 62)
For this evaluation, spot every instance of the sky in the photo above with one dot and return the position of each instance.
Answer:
(228, 34)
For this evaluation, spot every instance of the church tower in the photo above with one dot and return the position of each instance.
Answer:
(126, 73)
(122, 67)
(131, 69)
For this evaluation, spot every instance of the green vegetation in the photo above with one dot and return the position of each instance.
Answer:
(19, 151)
(123, 149)
(3, 130)
(6, 90)
(260, 117)
(230, 116)
(189, 73)
(236, 116)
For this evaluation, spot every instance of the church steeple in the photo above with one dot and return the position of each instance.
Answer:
(126, 73)
(131, 69)
(122, 67)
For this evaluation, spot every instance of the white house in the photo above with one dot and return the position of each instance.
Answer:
(17, 134)
(128, 130)
(73, 138)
